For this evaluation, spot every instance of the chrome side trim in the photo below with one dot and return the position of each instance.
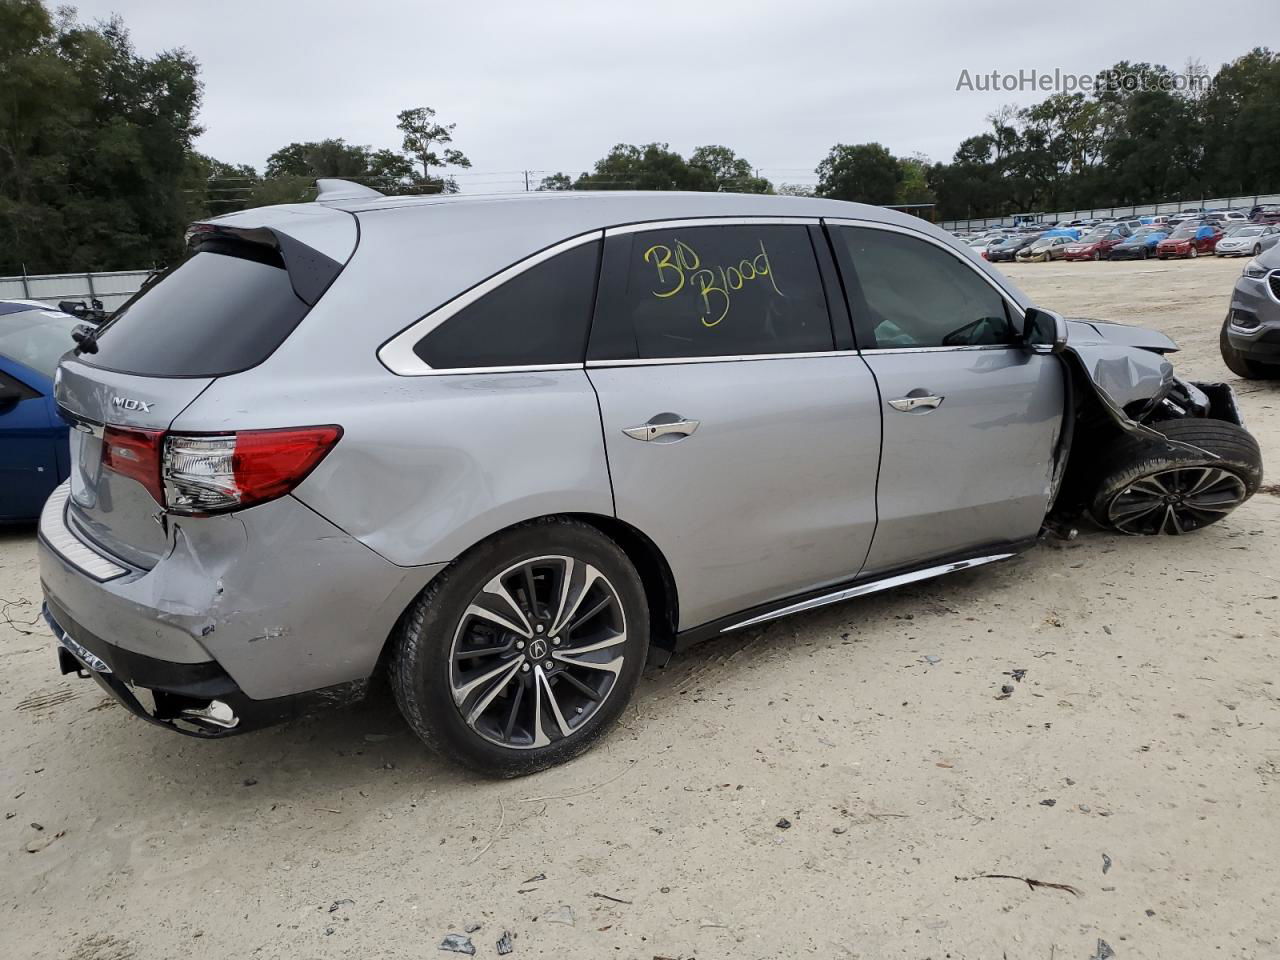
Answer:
(872, 586)
(941, 245)
(397, 353)
(708, 222)
(663, 361)
(55, 532)
(881, 351)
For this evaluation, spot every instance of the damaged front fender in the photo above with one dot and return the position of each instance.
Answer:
(1127, 371)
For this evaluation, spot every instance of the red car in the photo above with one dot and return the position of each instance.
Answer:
(1096, 244)
(1189, 240)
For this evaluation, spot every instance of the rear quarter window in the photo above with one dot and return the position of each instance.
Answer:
(224, 309)
(539, 317)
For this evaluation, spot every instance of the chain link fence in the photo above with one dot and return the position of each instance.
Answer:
(112, 288)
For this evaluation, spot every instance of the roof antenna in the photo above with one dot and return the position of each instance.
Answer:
(331, 189)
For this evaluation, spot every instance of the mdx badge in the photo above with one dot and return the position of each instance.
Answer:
(128, 403)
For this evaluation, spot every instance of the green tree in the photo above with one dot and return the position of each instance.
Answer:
(96, 158)
(655, 166)
(865, 172)
(556, 181)
(729, 171)
(914, 185)
(422, 134)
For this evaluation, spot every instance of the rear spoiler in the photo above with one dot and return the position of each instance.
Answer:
(310, 271)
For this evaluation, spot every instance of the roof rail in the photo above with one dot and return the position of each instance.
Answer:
(331, 189)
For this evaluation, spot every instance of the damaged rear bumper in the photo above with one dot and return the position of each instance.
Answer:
(195, 699)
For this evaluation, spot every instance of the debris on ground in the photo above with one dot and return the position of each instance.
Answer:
(38, 844)
(504, 944)
(1048, 802)
(1106, 863)
(783, 824)
(1033, 884)
(457, 943)
(1104, 951)
(250, 782)
(538, 878)
(1006, 692)
(472, 927)
(840, 829)
(333, 907)
(605, 896)
(1017, 673)
(376, 737)
(563, 915)
(932, 660)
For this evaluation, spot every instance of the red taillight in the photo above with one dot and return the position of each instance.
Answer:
(206, 474)
(269, 463)
(135, 454)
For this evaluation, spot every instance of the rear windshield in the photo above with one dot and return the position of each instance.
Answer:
(222, 310)
(36, 338)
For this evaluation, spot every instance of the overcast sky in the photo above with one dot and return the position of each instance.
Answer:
(550, 86)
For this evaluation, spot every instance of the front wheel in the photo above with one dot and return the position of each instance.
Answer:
(1257, 249)
(525, 651)
(1097, 255)
(1150, 488)
(1238, 363)
(1193, 252)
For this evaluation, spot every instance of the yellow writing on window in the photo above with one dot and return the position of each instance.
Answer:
(679, 265)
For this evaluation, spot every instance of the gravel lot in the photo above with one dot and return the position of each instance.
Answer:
(1143, 736)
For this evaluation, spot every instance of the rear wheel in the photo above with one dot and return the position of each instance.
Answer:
(1257, 249)
(1150, 488)
(1241, 365)
(1193, 253)
(525, 651)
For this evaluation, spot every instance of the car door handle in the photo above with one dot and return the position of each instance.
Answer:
(908, 404)
(663, 425)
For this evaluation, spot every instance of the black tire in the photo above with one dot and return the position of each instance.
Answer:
(1146, 487)
(1257, 249)
(422, 664)
(1193, 252)
(1241, 365)
(1144, 253)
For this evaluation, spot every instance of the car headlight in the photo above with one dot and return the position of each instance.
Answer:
(1254, 270)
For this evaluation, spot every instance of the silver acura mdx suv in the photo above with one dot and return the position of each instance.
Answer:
(504, 450)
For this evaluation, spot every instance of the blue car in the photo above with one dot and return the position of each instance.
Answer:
(1142, 244)
(34, 450)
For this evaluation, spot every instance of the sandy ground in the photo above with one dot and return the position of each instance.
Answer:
(1143, 736)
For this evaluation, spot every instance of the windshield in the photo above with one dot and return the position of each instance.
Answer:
(36, 338)
(1183, 233)
(1096, 235)
(1247, 232)
(1144, 233)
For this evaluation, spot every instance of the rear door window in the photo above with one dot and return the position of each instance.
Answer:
(225, 309)
(716, 291)
(539, 317)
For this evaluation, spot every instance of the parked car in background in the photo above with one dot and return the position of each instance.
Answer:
(1189, 240)
(260, 511)
(34, 449)
(1141, 244)
(1046, 248)
(1250, 337)
(1266, 213)
(1097, 244)
(1247, 241)
(1007, 251)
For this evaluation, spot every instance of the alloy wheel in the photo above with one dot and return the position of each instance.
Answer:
(537, 651)
(1176, 501)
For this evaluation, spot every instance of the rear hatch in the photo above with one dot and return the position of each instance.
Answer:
(234, 298)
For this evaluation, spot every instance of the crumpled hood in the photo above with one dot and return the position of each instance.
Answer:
(1125, 363)
(1085, 332)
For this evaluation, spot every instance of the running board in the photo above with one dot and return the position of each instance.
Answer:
(871, 586)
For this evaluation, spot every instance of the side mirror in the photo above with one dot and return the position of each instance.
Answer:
(1044, 331)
